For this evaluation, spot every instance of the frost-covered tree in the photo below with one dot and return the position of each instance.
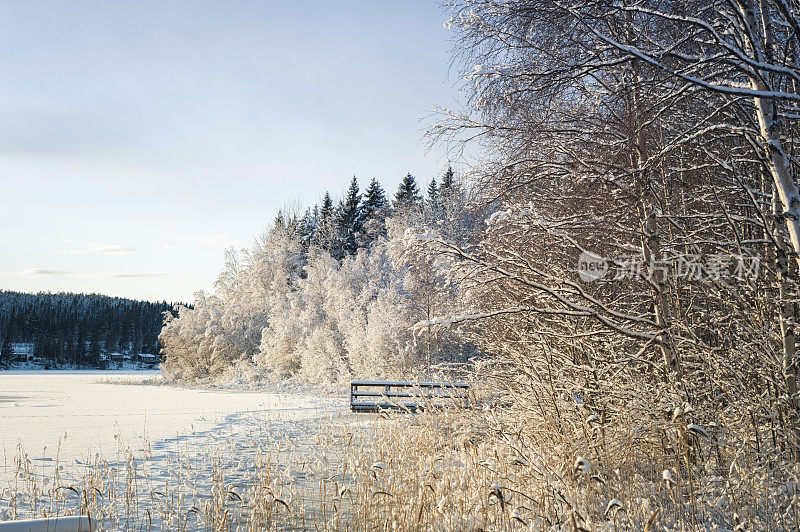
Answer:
(343, 320)
(225, 328)
(375, 309)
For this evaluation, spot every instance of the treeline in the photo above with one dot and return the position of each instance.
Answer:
(75, 329)
(357, 220)
(330, 293)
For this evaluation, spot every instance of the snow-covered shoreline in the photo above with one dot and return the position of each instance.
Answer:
(28, 370)
(36, 366)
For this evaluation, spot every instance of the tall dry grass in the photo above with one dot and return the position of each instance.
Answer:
(478, 468)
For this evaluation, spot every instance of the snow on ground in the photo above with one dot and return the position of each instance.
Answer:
(71, 417)
(159, 451)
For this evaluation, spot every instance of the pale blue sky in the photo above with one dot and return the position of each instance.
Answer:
(137, 138)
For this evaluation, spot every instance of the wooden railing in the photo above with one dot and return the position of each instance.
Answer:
(374, 396)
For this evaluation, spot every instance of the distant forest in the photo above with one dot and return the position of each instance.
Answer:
(75, 329)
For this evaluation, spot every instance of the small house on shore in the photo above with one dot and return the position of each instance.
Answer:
(119, 358)
(145, 359)
(22, 351)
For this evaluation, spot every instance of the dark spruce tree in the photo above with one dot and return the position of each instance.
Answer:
(5, 350)
(433, 194)
(447, 178)
(306, 228)
(348, 222)
(326, 211)
(447, 190)
(95, 349)
(325, 233)
(373, 213)
(374, 199)
(407, 196)
(284, 221)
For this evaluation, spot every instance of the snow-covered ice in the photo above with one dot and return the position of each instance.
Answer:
(73, 417)
(85, 436)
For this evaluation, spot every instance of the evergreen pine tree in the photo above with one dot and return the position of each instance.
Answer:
(374, 199)
(433, 193)
(40, 342)
(95, 349)
(138, 342)
(80, 342)
(293, 223)
(407, 195)
(5, 350)
(447, 190)
(306, 228)
(348, 221)
(326, 212)
(350, 212)
(447, 178)
(280, 221)
(326, 231)
(373, 212)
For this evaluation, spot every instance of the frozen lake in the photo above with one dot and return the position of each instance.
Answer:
(71, 416)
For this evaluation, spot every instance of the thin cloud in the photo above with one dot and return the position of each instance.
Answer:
(46, 272)
(138, 275)
(40, 272)
(96, 248)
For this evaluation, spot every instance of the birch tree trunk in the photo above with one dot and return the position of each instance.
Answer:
(779, 168)
(788, 337)
(788, 209)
